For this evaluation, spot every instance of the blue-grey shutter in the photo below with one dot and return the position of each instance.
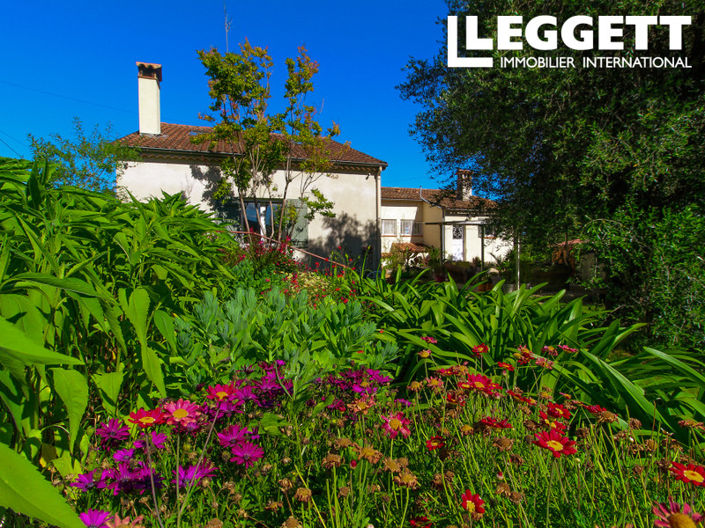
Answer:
(299, 233)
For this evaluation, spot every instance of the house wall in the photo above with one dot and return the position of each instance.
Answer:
(473, 243)
(353, 194)
(432, 232)
(401, 210)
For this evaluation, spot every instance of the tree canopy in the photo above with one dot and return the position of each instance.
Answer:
(612, 155)
(560, 147)
(264, 141)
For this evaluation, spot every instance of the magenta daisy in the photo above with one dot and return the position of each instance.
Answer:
(112, 434)
(396, 424)
(194, 474)
(246, 454)
(221, 392)
(158, 441)
(236, 434)
(181, 412)
(95, 518)
(675, 514)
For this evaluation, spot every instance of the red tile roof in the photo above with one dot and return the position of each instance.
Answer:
(177, 138)
(443, 197)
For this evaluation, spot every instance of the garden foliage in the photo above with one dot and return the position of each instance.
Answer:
(154, 374)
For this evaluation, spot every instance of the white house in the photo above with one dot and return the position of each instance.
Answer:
(170, 162)
(367, 216)
(457, 223)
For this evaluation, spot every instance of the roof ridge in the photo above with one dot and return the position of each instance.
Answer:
(176, 137)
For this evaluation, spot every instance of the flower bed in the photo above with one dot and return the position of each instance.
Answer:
(457, 448)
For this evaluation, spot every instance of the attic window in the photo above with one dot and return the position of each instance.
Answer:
(195, 133)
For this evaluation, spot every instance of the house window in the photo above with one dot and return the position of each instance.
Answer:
(389, 227)
(490, 231)
(410, 228)
(458, 232)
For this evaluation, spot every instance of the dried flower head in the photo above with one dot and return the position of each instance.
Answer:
(332, 460)
(303, 495)
(503, 444)
(406, 479)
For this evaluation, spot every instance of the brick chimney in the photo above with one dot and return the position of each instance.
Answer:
(149, 76)
(464, 190)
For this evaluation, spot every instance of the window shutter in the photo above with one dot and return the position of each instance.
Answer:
(299, 233)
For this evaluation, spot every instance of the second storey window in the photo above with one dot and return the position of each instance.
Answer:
(389, 227)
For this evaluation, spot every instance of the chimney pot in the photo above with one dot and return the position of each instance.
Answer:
(464, 189)
(149, 76)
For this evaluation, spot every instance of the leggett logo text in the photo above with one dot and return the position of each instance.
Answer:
(576, 33)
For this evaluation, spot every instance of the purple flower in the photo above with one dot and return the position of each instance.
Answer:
(123, 455)
(84, 481)
(195, 473)
(158, 441)
(112, 434)
(95, 518)
(246, 453)
(405, 403)
(244, 393)
(235, 434)
(125, 479)
(378, 377)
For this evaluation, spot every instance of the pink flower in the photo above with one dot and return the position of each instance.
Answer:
(394, 424)
(182, 412)
(674, 512)
(221, 392)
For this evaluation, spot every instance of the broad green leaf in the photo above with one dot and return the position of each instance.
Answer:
(109, 386)
(17, 347)
(153, 369)
(69, 283)
(165, 325)
(72, 388)
(25, 490)
(137, 312)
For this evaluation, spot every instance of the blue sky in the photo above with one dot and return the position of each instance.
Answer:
(66, 59)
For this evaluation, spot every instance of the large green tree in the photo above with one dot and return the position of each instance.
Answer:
(565, 148)
(560, 146)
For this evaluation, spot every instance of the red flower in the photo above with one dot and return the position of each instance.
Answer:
(435, 442)
(454, 398)
(519, 397)
(420, 522)
(493, 422)
(472, 503)
(429, 339)
(480, 349)
(553, 425)
(558, 445)
(523, 355)
(550, 350)
(558, 411)
(483, 384)
(595, 409)
(505, 366)
(145, 419)
(690, 473)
